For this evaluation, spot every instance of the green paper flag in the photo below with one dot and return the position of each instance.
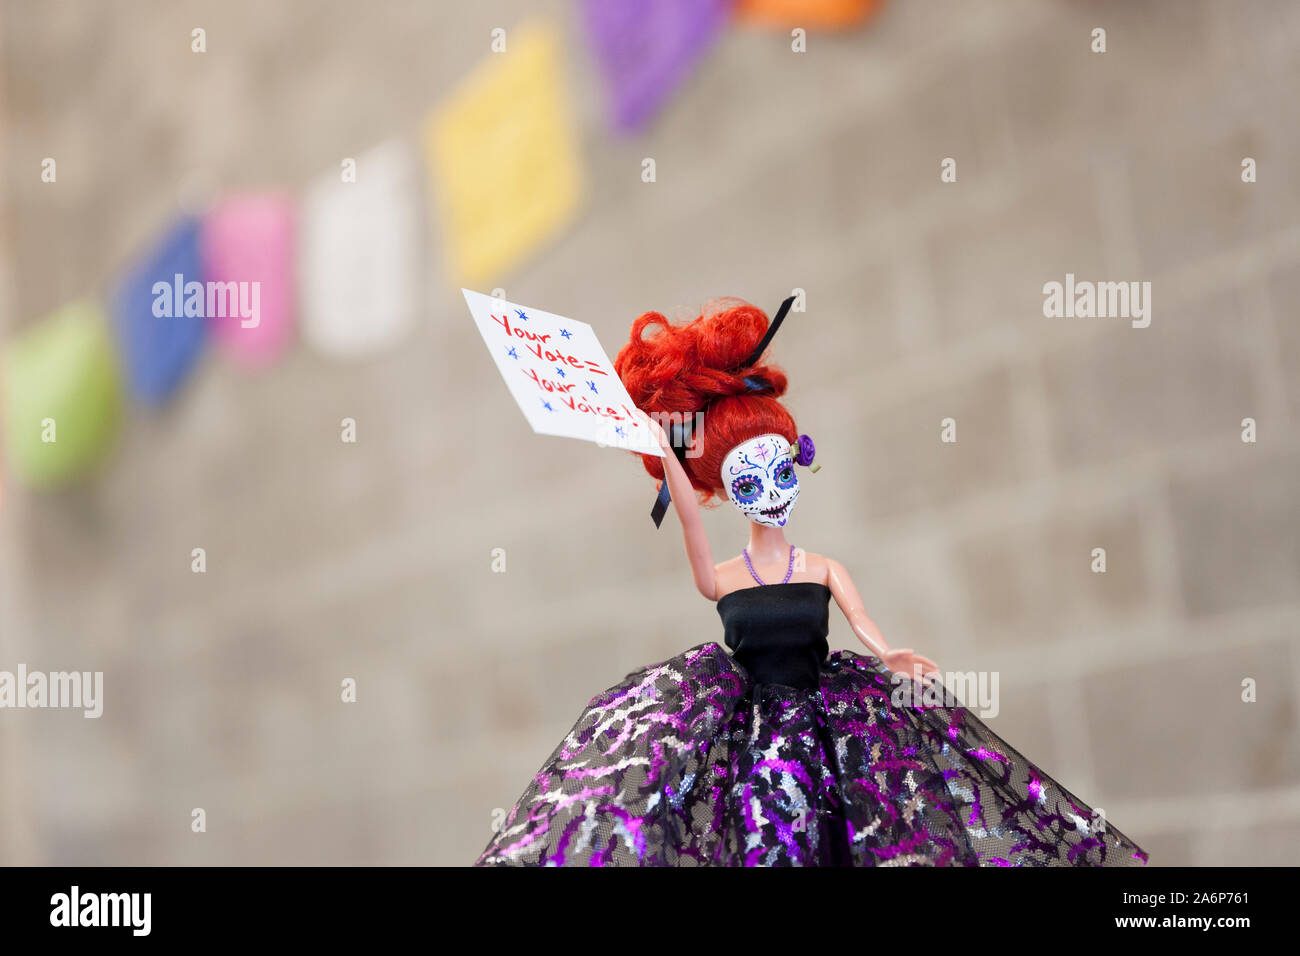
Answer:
(62, 396)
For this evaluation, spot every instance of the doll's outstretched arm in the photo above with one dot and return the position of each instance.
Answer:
(687, 507)
(903, 659)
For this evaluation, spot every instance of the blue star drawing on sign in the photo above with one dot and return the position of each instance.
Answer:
(560, 372)
(592, 385)
(512, 353)
(547, 405)
(520, 313)
(566, 333)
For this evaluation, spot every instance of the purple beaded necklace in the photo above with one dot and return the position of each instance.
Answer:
(789, 572)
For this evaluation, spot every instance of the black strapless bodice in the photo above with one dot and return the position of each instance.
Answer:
(777, 632)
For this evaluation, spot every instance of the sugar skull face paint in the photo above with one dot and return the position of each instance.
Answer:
(758, 478)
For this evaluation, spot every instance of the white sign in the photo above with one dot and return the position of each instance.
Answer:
(560, 376)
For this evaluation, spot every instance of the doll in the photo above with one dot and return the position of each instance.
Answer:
(778, 753)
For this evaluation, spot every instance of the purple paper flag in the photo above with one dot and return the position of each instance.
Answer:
(647, 47)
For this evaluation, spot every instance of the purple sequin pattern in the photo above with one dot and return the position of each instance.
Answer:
(689, 763)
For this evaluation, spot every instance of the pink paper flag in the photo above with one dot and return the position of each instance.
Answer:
(248, 260)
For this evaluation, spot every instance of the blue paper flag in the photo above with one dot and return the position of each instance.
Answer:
(160, 322)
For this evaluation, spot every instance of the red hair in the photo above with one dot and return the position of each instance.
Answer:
(696, 367)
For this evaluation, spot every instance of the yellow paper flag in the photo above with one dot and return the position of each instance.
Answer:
(503, 158)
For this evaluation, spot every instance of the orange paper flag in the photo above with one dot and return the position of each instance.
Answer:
(811, 14)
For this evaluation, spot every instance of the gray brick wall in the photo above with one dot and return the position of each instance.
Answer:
(775, 170)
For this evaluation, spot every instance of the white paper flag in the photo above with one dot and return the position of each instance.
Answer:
(561, 377)
(359, 253)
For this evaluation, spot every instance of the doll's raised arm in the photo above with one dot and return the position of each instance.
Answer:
(687, 506)
(845, 592)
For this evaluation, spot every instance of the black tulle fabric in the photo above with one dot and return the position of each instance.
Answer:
(762, 759)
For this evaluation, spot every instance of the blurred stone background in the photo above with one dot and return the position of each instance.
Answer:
(775, 170)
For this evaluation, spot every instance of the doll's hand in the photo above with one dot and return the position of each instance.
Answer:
(904, 660)
(662, 437)
(655, 429)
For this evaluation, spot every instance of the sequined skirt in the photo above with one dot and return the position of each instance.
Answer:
(690, 763)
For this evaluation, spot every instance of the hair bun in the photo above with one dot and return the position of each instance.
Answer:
(680, 368)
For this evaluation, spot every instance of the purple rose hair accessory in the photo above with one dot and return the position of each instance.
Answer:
(806, 450)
